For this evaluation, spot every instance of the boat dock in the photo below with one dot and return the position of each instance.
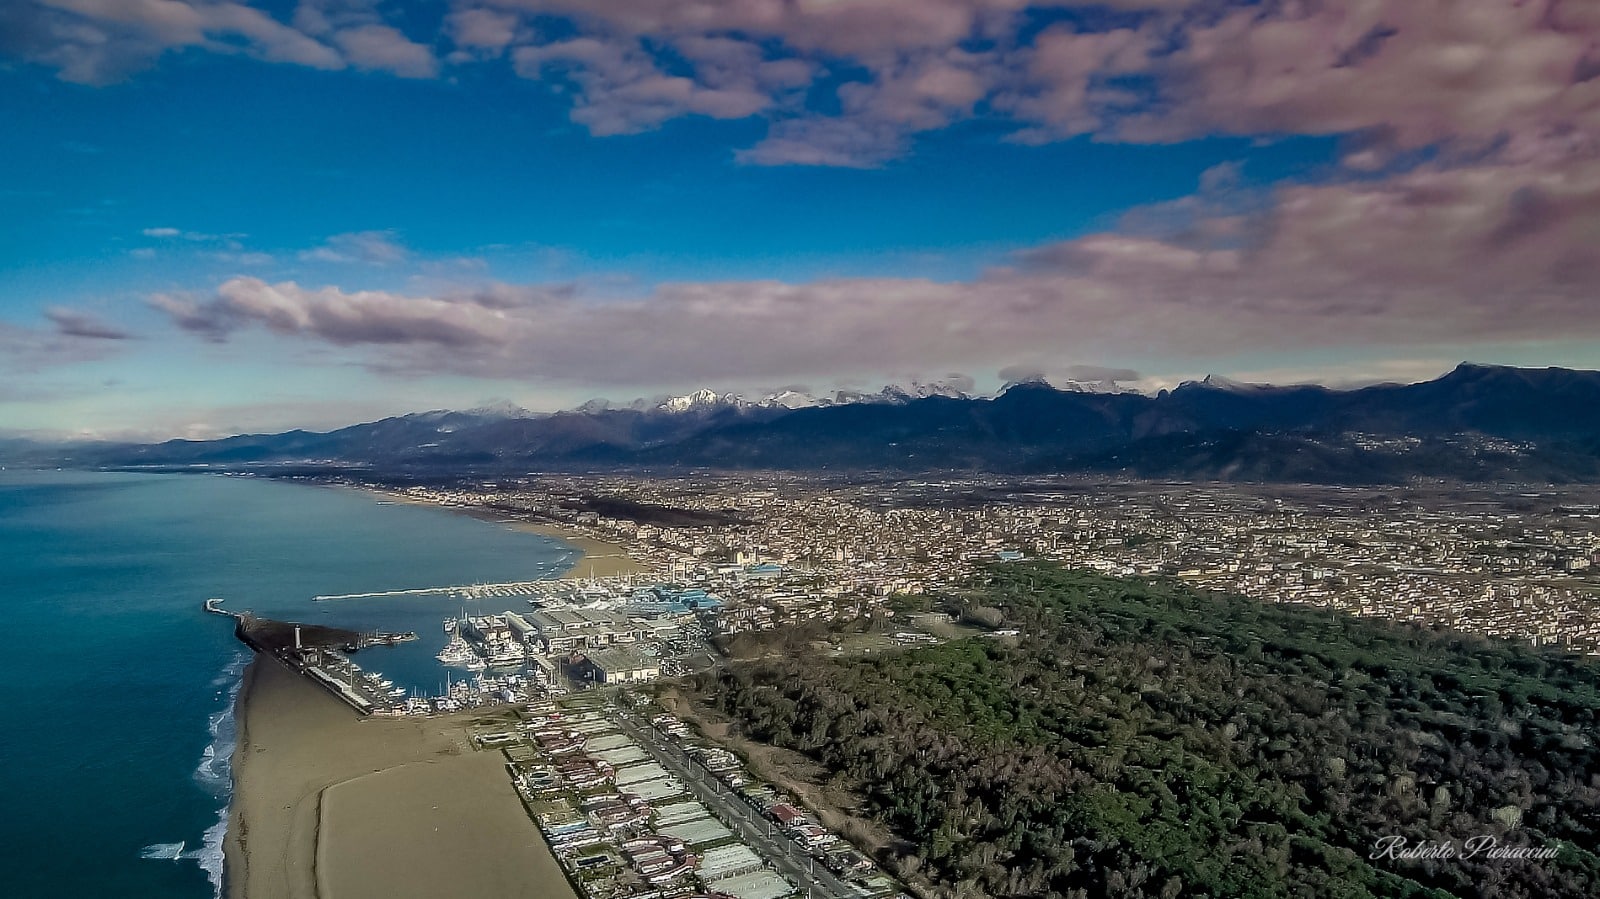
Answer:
(314, 650)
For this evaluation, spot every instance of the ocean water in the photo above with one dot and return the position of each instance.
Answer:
(118, 688)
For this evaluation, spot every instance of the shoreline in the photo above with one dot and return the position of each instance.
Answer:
(596, 557)
(329, 804)
(321, 796)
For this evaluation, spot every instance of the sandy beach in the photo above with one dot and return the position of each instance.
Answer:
(329, 805)
(599, 558)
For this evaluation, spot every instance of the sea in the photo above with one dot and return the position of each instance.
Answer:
(118, 688)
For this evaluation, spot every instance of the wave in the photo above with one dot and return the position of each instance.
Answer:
(163, 851)
(214, 774)
(215, 771)
(209, 856)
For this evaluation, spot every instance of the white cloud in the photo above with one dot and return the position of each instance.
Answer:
(370, 247)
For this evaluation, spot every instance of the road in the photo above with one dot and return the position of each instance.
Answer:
(760, 834)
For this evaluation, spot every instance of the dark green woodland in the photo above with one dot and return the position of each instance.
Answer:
(1140, 738)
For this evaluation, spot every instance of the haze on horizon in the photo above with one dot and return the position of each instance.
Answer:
(231, 216)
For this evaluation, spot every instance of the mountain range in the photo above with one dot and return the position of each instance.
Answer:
(1476, 423)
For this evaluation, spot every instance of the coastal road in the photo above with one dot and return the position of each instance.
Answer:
(762, 835)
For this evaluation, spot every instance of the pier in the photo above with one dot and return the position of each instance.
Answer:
(314, 651)
(508, 588)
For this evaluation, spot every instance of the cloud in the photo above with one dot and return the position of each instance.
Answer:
(908, 96)
(853, 83)
(368, 42)
(246, 258)
(1419, 72)
(104, 41)
(1101, 373)
(482, 29)
(385, 48)
(1014, 374)
(192, 236)
(76, 338)
(75, 323)
(1413, 73)
(1422, 259)
(1023, 372)
(370, 247)
(623, 90)
(335, 316)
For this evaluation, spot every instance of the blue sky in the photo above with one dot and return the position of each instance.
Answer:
(224, 217)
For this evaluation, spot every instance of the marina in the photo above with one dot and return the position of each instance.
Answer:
(620, 629)
(631, 805)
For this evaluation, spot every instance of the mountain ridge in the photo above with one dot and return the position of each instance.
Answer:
(1476, 422)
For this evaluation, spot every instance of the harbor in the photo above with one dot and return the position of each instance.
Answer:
(322, 654)
(572, 633)
(629, 801)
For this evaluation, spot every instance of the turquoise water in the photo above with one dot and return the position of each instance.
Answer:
(117, 686)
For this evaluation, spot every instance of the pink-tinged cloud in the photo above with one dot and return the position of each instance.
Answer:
(623, 90)
(1420, 71)
(1436, 256)
(1060, 91)
(77, 323)
(385, 48)
(1409, 73)
(1402, 73)
(76, 337)
(482, 29)
(101, 41)
(335, 316)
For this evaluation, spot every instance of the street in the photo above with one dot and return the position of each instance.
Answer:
(760, 834)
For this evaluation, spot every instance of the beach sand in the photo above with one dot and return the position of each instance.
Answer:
(329, 805)
(598, 558)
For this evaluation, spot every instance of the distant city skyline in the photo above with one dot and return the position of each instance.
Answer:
(228, 216)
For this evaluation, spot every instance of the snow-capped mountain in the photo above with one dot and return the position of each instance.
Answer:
(1092, 387)
(787, 398)
(793, 399)
(700, 399)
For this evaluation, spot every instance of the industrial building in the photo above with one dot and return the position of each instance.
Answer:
(574, 630)
(621, 666)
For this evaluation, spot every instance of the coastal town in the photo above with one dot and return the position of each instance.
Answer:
(636, 802)
(631, 801)
(780, 549)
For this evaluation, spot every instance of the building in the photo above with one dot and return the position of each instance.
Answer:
(622, 666)
(577, 630)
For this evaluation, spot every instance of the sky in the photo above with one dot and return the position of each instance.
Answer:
(223, 216)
